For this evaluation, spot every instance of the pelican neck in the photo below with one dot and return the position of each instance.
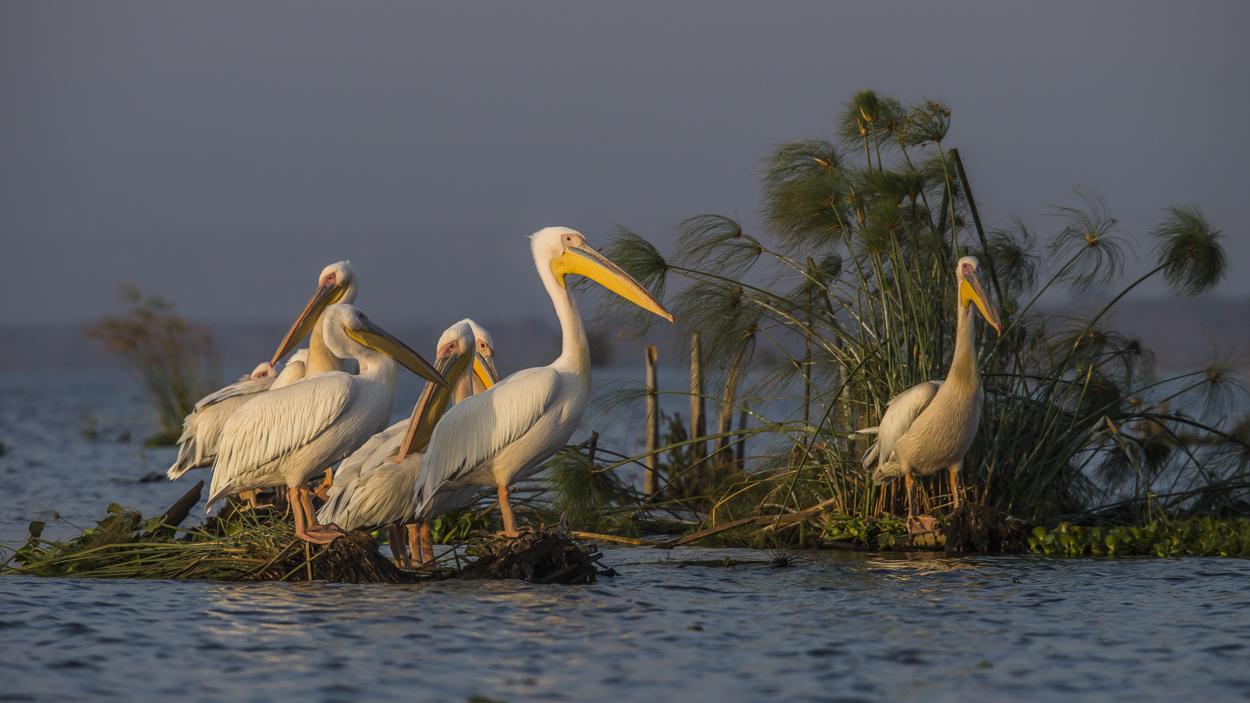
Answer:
(964, 361)
(464, 385)
(320, 358)
(374, 365)
(574, 349)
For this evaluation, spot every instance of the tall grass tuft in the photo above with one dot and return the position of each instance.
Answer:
(846, 297)
(176, 359)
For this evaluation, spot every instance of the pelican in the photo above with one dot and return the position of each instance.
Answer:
(337, 284)
(374, 486)
(930, 426)
(197, 447)
(288, 435)
(295, 369)
(198, 443)
(505, 433)
(484, 363)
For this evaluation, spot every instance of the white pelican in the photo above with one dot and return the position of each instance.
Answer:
(505, 433)
(197, 447)
(930, 426)
(295, 369)
(288, 435)
(484, 364)
(337, 284)
(374, 486)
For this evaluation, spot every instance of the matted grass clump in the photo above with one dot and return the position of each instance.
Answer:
(258, 546)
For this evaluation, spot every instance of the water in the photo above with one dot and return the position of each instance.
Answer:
(836, 626)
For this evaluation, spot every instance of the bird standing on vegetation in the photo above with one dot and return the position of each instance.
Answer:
(336, 284)
(930, 426)
(197, 447)
(374, 486)
(504, 434)
(288, 435)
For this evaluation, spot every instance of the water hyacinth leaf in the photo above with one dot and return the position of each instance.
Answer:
(1189, 251)
(36, 529)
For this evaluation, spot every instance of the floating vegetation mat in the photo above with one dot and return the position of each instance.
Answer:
(261, 546)
(539, 557)
(1208, 537)
(982, 528)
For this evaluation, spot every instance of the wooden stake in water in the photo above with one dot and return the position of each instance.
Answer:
(724, 453)
(698, 421)
(807, 357)
(742, 434)
(653, 422)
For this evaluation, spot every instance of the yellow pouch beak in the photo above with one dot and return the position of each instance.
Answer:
(323, 298)
(970, 290)
(585, 261)
(431, 406)
(484, 369)
(376, 338)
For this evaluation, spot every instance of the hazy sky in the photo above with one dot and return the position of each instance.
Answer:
(222, 153)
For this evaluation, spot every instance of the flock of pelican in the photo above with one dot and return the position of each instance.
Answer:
(285, 425)
(330, 404)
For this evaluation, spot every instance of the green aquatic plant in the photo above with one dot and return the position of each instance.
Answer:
(458, 526)
(1190, 537)
(176, 359)
(846, 297)
(866, 531)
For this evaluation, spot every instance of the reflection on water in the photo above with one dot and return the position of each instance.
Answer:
(838, 626)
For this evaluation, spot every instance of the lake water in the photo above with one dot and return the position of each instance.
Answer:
(834, 627)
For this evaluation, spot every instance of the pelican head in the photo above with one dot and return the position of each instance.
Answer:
(567, 252)
(345, 325)
(970, 291)
(457, 350)
(484, 363)
(266, 370)
(337, 284)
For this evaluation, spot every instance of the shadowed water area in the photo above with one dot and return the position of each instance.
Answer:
(835, 626)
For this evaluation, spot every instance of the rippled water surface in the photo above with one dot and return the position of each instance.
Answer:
(835, 626)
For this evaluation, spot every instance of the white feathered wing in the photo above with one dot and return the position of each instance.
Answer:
(201, 430)
(900, 413)
(475, 430)
(274, 425)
